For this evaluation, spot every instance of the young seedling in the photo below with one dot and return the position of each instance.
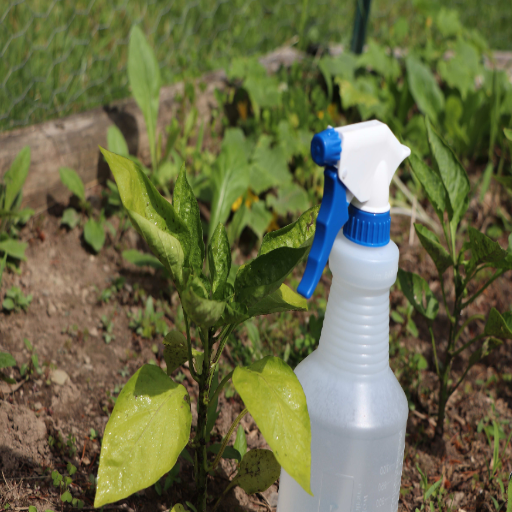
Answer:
(448, 190)
(15, 300)
(151, 421)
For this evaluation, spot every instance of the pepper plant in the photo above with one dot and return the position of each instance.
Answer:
(151, 422)
(448, 190)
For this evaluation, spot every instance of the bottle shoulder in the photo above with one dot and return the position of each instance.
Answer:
(364, 405)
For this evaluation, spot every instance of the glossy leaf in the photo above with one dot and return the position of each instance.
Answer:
(483, 249)
(219, 260)
(431, 183)
(70, 218)
(418, 293)
(240, 442)
(452, 174)
(185, 204)
(14, 248)
(144, 77)
(283, 299)
(203, 311)
(499, 324)
(15, 177)
(297, 234)
(73, 182)
(116, 141)
(152, 216)
(6, 360)
(94, 234)
(432, 245)
(276, 401)
(266, 273)
(148, 429)
(230, 177)
(259, 469)
(234, 313)
(424, 89)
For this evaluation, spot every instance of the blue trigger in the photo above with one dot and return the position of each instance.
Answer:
(331, 218)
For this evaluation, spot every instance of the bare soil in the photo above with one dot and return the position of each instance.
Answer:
(63, 323)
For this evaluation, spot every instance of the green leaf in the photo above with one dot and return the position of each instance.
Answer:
(203, 311)
(297, 234)
(219, 260)
(185, 205)
(431, 183)
(241, 442)
(377, 58)
(230, 176)
(6, 360)
(176, 352)
(506, 181)
(259, 469)
(178, 508)
(148, 429)
(152, 216)
(432, 245)
(418, 293)
(14, 248)
(274, 397)
(283, 299)
(234, 313)
(73, 182)
(452, 173)
(499, 325)
(31, 508)
(266, 273)
(259, 218)
(483, 249)
(15, 177)
(508, 133)
(488, 346)
(94, 234)
(144, 77)
(424, 89)
(116, 141)
(70, 218)
(228, 453)
(291, 198)
(66, 497)
(448, 22)
(142, 259)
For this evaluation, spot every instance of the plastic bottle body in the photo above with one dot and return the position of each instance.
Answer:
(358, 410)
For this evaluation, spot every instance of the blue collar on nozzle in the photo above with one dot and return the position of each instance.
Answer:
(371, 155)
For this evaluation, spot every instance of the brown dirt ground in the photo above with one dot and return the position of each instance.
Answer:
(64, 325)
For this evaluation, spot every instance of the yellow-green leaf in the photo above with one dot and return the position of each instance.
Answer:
(148, 429)
(259, 469)
(274, 397)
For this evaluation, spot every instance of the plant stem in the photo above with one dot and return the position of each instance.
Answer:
(435, 352)
(189, 350)
(497, 274)
(202, 419)
(465, 324)
(223, 382)
(227, 436)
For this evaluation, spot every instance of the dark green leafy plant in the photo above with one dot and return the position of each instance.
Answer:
(11, 214)
(150, 424)
(448, 190)
(63, 483)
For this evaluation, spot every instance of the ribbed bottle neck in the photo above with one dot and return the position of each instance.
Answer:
(355, 334)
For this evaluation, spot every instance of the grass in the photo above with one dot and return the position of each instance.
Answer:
(59, 57)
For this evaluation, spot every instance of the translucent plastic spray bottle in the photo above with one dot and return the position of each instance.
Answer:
(357, 408)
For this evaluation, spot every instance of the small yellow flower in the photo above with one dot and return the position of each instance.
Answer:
(332, 110)
(241, 106)
(320, 114)
(273, 223)
(429, 22)
(251, 198)
(237, 203)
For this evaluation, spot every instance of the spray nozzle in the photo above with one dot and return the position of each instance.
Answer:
(359, 160)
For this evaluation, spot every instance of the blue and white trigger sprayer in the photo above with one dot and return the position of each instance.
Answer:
(358, 410)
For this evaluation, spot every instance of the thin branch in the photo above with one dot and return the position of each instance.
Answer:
(223, 339)
(497, 274)
(465, 324)
(226, 438)
(223, 382)
(435, 352)
(468, 344)
(450, 317)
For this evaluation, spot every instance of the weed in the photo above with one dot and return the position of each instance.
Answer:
(15, 300)
(63, 483)
(147, 322)
(32, 367)
(110, 291)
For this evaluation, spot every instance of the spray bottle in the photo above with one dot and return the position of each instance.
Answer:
(358, 410)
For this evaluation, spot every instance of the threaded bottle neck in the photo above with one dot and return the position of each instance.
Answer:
(355, 334)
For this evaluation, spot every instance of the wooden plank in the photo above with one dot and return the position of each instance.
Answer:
(73, 141)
